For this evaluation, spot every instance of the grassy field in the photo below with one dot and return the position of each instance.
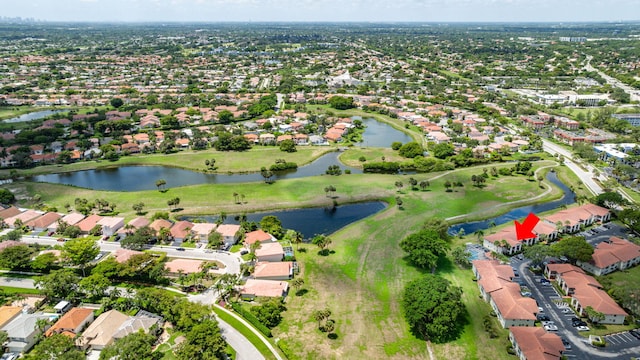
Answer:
(290, 193)
(361, 282)
(248, 161)
(253, 338)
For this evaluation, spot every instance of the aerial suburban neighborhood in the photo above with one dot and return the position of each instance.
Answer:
(319, 190)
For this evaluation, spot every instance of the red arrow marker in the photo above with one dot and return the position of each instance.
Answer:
(525, 230)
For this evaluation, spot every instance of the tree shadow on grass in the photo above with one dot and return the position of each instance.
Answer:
(301, 292)
(177, 209)
(326, 252)
(332, 336)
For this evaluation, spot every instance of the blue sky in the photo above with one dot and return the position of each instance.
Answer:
(325, 10)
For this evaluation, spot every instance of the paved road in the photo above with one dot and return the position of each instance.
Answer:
(17, 282)
(634, 93)
(243, 347)
(231, 261)
(585, 176)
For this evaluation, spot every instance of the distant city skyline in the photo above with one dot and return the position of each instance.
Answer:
(325, 10)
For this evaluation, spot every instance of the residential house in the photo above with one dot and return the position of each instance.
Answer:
(263, 288)
(585, 291)
(69, 219)
(267, 139)
(22, 331)
(506, 241)
(534, 343)
(100, 333)
(181, 230)
(142, 321)
(201, 231)
(183, 266)
(89, 223)
(132, 226)
(43, 222)
(123, 255)
(270, 252)
(611, 255)
(496, 287)
(110, 224)
(22, 218)
(9, 212)
(257, 236)
(158, 224)
(230, 233)
(72, 323)
(273, 270)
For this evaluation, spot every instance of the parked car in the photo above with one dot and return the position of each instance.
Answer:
(180, 249)
(635, 333)
(244, 252)
(540, 309)
(566, 343)
(62, 239)
(582, 328)
(542, 317)
(578, 323)
(545, 323)
(543, 280)
(551, 328)
(566, 310)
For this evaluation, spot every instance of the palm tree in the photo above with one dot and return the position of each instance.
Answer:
(479, 235)
(297, 239)
(160, 183)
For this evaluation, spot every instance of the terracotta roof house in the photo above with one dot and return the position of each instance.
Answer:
(201, 231)
(257, 236)
(263, 288)
(71, 323)
(505, 241)
(570, 220)
(181, 230)
(100, 333)
(534, 343)
(110, 224)
(270, 252)
(23, 217)
(611, 255)
(496, 287)
(43, 222)
(69, 219)
(553, 270)
(229, 232)
(8, 313)
(132, 226)
(267, 139)
(251, 138)
(89, 223)
(9, 212)
(273, 270)
(158, 224)
(123, 255)
(184, 266)
(586, 291)
(22, 331)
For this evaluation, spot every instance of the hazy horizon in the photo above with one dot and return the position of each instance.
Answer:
(303, 11)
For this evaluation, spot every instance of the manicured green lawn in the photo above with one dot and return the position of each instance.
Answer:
(15, 290)
(367, 272)
(253, 338)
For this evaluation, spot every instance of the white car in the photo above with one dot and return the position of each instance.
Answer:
(582, 328)
(551, 328)
(566, 310)
(545, 323)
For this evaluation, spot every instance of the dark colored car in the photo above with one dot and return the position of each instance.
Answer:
(578, 323)
(635, 333)
(180, 249)
(542, 317)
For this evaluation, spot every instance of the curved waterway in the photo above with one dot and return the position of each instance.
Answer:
(521, 212)
(311, 221)
(33, 116)
(138, 178)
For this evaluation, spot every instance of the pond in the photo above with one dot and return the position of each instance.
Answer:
(32, 116)
(379, 134)
(138, 178)
(521, 212)
(312, 221)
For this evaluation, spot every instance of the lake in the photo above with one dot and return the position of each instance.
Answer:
(138, 178)
(311, 221)
(521, 212)
(379, 134)
(33, 116)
